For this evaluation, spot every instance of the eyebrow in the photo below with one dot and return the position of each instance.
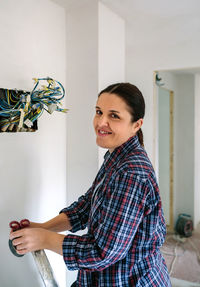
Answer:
(112, 111)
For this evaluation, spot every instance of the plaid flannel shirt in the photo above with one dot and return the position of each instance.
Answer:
(125, 225)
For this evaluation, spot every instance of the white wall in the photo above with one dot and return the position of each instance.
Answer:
(197, 150)
(165, 48)
(82, 83)
(159, 44)
(33, 165)
(111, 52)
(111, 47)
(95, 59)
(74, 49)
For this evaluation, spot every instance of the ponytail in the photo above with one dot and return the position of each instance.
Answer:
(140, 137)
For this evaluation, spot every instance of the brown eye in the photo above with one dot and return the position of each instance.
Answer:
(114, 116)
(98, 112)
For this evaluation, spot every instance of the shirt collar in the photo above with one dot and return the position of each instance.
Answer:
(111, 159)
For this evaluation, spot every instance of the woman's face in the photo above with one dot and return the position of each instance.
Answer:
(112, 122)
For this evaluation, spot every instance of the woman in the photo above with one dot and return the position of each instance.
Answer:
(122, 209)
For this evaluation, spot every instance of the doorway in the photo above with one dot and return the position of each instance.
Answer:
(176, 142)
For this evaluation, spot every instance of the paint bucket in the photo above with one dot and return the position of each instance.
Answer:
(184, 225)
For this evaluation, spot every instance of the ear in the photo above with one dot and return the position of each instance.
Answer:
(137, 125)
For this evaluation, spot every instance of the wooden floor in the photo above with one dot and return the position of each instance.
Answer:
(182, 257)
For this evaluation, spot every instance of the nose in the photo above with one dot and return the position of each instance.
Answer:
(103, 121)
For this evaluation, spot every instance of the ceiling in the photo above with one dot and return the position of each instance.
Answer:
(153, 8)
(146, 20)
(128, 9)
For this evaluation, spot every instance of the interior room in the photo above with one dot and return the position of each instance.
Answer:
(87, 45)
(176, 96)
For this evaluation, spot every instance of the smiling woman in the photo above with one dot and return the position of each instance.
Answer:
(121, 210)
(113, 122)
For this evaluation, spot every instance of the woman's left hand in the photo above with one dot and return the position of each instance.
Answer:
(32, 239)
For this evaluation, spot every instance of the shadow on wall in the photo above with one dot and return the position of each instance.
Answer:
(19, 175)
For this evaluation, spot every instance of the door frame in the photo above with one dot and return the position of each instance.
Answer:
(170, 226)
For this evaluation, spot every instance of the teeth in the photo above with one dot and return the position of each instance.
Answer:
(103, 132)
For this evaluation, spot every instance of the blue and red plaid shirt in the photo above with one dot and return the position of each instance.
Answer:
(126, 228)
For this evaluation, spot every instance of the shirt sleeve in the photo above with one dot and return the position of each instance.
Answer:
(113, 235)
(78, 212)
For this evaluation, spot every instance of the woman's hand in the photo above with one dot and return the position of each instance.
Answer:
(33, 238)
(57, 224)
(36, 225)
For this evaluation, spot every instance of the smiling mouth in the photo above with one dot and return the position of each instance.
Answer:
(103, 133)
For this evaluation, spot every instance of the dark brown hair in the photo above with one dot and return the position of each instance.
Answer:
(133, 99)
